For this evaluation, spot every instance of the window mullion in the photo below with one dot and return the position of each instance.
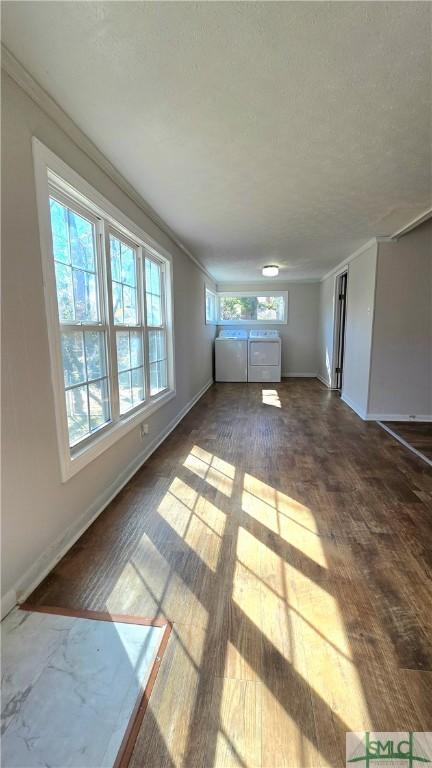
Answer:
(111, 341)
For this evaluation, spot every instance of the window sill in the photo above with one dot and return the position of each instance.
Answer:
(252, 322)
(75, 462)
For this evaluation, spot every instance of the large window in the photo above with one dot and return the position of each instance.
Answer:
(109, 315)
(252, 308)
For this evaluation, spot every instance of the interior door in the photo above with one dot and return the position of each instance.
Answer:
(342, 281)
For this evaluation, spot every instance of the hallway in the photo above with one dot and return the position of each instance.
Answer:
(290, 544)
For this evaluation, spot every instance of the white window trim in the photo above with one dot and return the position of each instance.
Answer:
(208, 289)
(50, 168)
(259, 292)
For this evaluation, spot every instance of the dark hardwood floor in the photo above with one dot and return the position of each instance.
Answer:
(418, 434)
(291, 544)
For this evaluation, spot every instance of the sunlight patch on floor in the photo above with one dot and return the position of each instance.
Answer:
(174, 714)
(300, 620)
(165, 585)
(284, 736)
(271, 397)
(211, 474)
(199, 522)
(211, 515)
(183, 492)
(209, 458)
(239, 724)
(123, 596)
(175, 513)
(292, 521)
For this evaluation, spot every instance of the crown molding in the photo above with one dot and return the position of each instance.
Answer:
(420, 219)
(31, 87)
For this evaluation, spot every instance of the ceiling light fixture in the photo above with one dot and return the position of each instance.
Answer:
(271, 270)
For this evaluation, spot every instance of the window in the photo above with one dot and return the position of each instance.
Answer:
(210, 307)
(108, 295)
(156, 329)
(129, 321)
(82, 327)
(253, 308)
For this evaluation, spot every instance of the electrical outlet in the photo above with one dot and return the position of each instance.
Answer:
(144, 430)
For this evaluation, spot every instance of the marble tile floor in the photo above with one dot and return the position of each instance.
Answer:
(69, 687)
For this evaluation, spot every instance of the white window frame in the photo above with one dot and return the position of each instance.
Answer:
(211, 320)
(51, 171)
(260, 292)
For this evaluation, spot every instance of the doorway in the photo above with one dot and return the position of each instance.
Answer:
(341, 296)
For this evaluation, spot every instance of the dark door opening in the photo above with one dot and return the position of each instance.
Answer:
(341, 292)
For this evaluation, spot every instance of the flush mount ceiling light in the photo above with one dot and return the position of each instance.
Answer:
(271, 270)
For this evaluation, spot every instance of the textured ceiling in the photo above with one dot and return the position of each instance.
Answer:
(261, 132)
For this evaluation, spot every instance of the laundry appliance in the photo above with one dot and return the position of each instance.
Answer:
(231, 355)
(264, 356)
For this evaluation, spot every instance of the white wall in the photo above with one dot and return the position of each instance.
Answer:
(40, 513)
(401, 384)
(358, 334)
(326, 331)
(299, 335)
(358, 331)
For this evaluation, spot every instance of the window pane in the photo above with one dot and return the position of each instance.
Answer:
(123, 274)
(270, 308)
(238, 307)
(123, 354)
(65, 297)
(155, 279)
(77, 413)
(115, 259)
(128, 265)
(153, 293)
(136, 349)
(60, 232)
(95, 354)
(86, 309)
(154, 309)
(117, 303)
(129, 304)
(81, 233)
(98, 402)
(210, 307)
(157, 346)
(73, 358)
(158, 376)
(137, 385)
(152, 277)
(124, 381)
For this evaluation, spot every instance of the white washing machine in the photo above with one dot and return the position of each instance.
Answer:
(231, 353)
(264, 356)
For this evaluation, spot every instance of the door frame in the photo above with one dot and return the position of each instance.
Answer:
(338, 340)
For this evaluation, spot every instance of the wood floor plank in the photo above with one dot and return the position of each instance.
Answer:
(291, 544)
(418, 434)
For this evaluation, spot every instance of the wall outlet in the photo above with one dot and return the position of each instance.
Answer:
(144, 430)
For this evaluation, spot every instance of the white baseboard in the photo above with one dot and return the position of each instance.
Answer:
(324, 381)
(44, 564)
(289, 375)
(368, 416)
(358, 410)
(397, 417)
